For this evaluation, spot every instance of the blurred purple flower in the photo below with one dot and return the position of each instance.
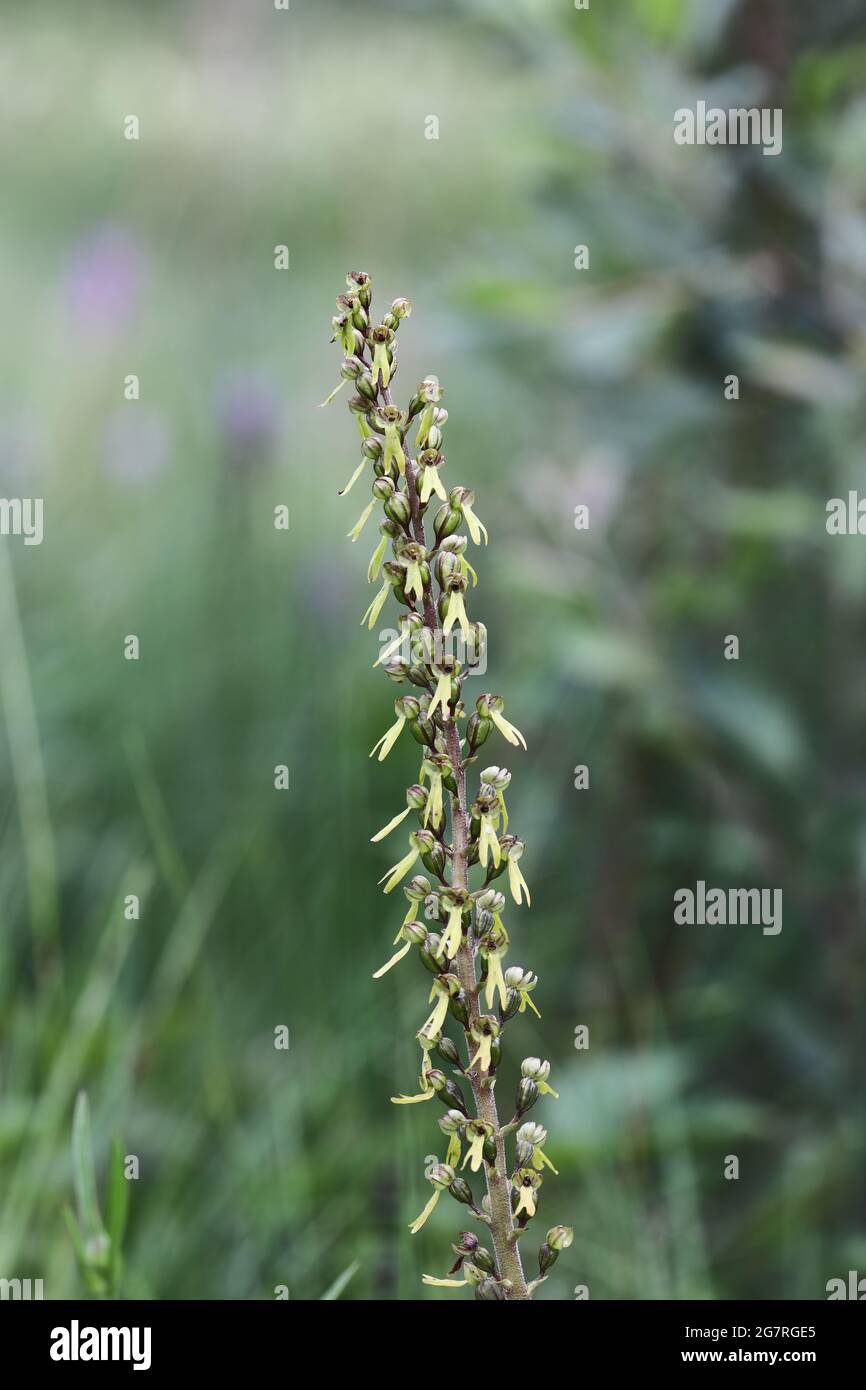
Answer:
(248, 414)
(105, 281)
(137, 444)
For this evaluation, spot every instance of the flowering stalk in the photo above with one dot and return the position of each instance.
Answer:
(466, 943)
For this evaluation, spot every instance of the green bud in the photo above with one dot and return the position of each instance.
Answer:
(452, 1095)
(398, 509)
(512, 1004)
(417, 888)
(428, 954)
(461, 1191)
(490, 1291)
(447, 1050)
(384, 489)
(446, 521)
(441, 1175)
(477, 731)
(527, 1095)
(560, 1237)
(496, 777)
(457, 1008)
(535, 1069)
(416, 932)
(452, 1122)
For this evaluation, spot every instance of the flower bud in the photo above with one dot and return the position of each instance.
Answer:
(453, 1096)
(452, 1122)
(416, 932)
(490, 900)
(441, 1175)
(461, 1191)
(466, 1244)
(446, 521)
(417, 888)
(401, 308)
(535, 1069)
(447, 1050)
(371, 448)
(512, 1004)
(384, 489)
(490, 1291)
(496, 777)
(398, 509)
(396, 670)
(457, 1008)
(527, 1095)
(359, 281)
(477, 731)
(428, 955)
(560, 1237)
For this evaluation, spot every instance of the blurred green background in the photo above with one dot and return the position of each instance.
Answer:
(603, 387)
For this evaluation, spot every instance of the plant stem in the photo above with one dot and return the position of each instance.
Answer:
(508, 1261)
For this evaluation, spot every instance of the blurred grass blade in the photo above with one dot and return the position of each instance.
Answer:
(118, 1206)
(340, 1282)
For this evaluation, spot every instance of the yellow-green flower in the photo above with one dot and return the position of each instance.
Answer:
(382, 339)
(361, 522)
(495, 982)
(534, 1069)
(484, 1031)
(522, 981)
(416, 800)
(398, 871)
(414, 934)
(526, 1182)
(441, 992)
(478, 1132)
(456, 612)
(406, 707)
(452, 1124)
(516, 882)
(434, 809)
(463, 498)
(392, 421)
(534, 1136)
(491, 707)
(429, 462)
(488, 840)
(444, 670)
(441, 1176)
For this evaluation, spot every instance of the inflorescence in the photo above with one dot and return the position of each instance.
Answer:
(462, 941)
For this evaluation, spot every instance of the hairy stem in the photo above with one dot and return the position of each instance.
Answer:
(508, 1259)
